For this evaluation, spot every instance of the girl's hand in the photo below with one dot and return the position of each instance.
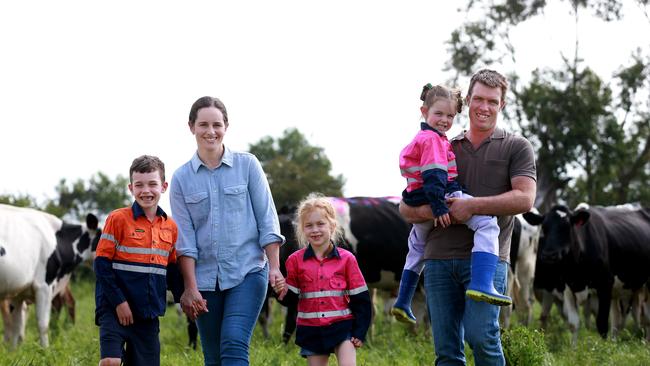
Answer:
(442, 220)
(356, 342)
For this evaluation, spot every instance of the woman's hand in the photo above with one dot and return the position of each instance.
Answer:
(276, 280)
(193, 304)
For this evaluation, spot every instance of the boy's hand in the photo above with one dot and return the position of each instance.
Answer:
(124, 315)
(356, 342)
(283, 293)
(193, 304)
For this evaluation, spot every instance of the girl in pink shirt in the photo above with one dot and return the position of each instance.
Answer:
(333, 300)
(429, 165)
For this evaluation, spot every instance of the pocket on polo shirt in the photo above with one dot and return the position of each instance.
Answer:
(199, 207)
(496, 176)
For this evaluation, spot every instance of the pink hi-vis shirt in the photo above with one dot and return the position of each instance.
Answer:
(324, 286)
(429, 150)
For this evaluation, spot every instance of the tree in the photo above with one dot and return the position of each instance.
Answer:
(294, 168)
(586, 132)
(20, 200)
(100, 195)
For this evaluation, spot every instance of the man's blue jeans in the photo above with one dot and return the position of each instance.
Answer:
(455, 318)
(227, 328)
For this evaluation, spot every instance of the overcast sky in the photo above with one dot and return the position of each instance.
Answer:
(87, 86)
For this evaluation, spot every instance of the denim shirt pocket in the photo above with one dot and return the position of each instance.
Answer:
(198, 206)
(235, 202)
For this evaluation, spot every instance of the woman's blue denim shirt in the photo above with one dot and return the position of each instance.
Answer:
(225, 217)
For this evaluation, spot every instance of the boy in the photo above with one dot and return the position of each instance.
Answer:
(131, 262)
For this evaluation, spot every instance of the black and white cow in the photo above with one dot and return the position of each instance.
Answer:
(38, 252)
(523, 255)
(373, 230)
(590, 248)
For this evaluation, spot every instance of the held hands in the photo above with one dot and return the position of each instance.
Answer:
(124, 315)
(193, 304)
(356, 342)
(277, 281)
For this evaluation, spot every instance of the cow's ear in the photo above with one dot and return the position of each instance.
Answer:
(580, 218)
(91, 222)
(533, 218)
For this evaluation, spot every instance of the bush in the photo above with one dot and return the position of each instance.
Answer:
(523, 346)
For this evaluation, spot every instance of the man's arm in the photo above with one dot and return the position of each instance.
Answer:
(518, 200)
(415, 214)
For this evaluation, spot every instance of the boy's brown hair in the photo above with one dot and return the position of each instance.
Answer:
(147, 164)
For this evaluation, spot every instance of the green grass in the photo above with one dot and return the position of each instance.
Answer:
(391, 344)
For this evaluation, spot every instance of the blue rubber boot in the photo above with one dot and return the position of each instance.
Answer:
(481, 285)
(402, 308)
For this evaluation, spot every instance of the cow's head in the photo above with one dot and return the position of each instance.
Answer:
(74, 244)
(561, 234)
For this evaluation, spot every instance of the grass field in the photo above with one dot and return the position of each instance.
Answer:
(391, 343)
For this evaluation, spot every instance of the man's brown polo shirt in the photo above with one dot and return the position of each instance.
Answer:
(486, 171)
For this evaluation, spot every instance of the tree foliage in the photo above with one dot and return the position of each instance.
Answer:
(20, 200)
(295, 168)
(99, 195)
(592, 135)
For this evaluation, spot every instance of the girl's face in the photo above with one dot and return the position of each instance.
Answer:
(440, 115)
(317, 228)
(209, 129)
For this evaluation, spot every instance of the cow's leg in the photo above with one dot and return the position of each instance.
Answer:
(43, 303)
(604, 302)
(570, 310)
(6, 319)
(547, 303)
(18, 315)
(290, 322)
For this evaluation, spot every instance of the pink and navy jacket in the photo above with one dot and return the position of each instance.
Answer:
(429, 165)
(333, 299)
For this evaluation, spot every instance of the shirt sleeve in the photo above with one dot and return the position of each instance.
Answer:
(174, 277)
(186, 237)
(522, 159)
(264, 210)
(434, 164)
(360, 304)
(103, 263)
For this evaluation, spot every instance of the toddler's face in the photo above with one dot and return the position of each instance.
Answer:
(440, 115)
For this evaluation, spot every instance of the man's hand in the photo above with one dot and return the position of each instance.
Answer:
(460, 209)
(193, 304)
(124, 315)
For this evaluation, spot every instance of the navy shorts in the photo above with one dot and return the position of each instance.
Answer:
(304, 352)
(136, 344)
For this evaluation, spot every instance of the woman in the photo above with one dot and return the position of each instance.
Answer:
(229, 237)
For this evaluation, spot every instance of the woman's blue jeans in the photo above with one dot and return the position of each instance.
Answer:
(455, 317)
(227, 328)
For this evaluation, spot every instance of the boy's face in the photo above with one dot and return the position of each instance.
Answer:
(146, 188)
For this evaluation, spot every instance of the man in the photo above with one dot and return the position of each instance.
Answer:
(498, 169)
